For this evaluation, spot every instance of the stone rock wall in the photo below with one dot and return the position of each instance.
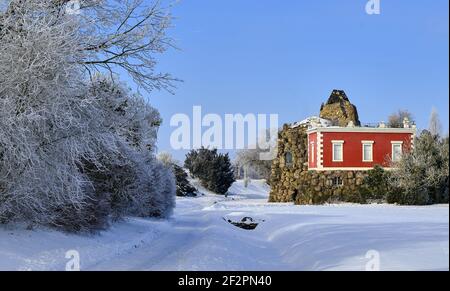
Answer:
(285, 179)
(319, 187)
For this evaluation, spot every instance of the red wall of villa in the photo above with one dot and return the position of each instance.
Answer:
(353, 151)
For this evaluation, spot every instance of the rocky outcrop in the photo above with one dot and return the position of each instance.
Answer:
(340, 110)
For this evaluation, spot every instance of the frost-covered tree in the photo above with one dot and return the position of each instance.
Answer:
(167, 159)
(421, 177)
(75, 147)
(113, 35)
(184, 187)
(256, 168)
(135, 123)
(435, 126)
(253, 161)
(45, 121)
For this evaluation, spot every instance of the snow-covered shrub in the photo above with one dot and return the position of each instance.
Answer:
(134, 179)
(184, 187)
(443, 188)
(74, 149)
(93, 216)
(421, 176)
(375, 186)
(162, 182)
(214, 170)
(47, 126)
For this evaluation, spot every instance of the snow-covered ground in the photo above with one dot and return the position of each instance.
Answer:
(332, 237)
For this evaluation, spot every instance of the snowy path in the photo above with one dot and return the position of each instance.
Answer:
(333, 237)
(199, 239)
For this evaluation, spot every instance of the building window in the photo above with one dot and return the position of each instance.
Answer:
(367, 148)
(338, 182)
(397, 151)
(338, 151)
(313, 152)
(289, 159)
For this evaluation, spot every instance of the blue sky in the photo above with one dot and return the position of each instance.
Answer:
(285, 57)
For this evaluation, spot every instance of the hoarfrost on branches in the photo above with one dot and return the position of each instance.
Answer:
(72, 146)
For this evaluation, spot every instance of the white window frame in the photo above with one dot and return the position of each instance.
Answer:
(340, 143)
(313, 148)
(336, 179)
(394, 144)
(364, 144)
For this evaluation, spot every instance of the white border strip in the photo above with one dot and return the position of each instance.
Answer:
(362, 129)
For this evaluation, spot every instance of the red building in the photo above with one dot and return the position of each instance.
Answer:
(357, 148)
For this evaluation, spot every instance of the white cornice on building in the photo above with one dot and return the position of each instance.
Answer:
(312, 122)
(324, 169)
(362, 129)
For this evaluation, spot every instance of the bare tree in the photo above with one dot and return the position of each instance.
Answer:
(396, 119)
(115, 35)
(166, 159)
(251, 162)
(435, 126)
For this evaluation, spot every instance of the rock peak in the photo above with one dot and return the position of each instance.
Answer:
(337, 96)
(340, 110)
